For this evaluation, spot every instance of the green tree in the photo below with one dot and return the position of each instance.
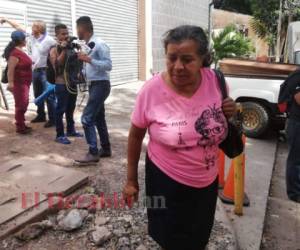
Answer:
(265, 18)
(239, 6)
(230, 43)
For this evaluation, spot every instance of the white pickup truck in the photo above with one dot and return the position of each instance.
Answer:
(259, 97)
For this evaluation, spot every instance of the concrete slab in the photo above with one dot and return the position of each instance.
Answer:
(223, 234)
(26, 183)
(260, 157)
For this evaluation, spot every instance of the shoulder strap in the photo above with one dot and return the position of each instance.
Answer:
(222, 83)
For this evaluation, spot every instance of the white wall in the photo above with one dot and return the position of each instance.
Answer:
(167, 14)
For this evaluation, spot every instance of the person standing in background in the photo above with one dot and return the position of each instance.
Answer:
(293, 136)
(39, 44)
(66, 101)
(19, 78)
(97, 65)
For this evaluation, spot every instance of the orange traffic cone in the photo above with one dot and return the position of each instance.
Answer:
(227, 194)
(221, 169)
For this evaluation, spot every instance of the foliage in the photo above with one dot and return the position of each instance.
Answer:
(239, 6)
(265, 19)
(230, 43)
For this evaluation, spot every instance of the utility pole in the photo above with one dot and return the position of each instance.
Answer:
(210, 6)
(278, 52)
(210, 22)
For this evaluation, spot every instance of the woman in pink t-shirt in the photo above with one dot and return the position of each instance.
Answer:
(183, 111)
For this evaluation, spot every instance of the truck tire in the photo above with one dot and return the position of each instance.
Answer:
(256, 119)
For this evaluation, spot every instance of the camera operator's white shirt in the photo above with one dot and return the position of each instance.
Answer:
(39, 48)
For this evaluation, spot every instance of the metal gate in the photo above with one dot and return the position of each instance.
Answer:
(116, 22)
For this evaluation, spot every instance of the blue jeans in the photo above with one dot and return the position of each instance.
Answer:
(66, 103)
(39, 86)
(94, 116)
(293, 161)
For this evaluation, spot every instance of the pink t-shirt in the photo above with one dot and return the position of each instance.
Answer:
(184, 132)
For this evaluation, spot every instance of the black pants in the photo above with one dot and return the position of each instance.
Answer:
(293, 161)
(187, 219)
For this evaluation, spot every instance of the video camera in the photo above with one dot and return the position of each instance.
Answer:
(74, 67)
(73, 43)
(76, 45)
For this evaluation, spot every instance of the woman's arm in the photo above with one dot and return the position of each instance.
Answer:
(13, 24)
(12, 63)
(135, 140)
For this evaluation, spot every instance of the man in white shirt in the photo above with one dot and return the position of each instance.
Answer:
(39, 45)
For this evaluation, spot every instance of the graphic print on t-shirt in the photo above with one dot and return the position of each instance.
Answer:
(211, 126)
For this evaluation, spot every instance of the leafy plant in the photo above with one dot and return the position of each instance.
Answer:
(239, 6)
(230, 43)
(265, 19)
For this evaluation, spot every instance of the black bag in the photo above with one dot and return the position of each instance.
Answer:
(50, 71)
(233, 145)
(4, 77)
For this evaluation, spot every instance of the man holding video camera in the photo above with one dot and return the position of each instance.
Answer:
(66, 99)
(97, 65)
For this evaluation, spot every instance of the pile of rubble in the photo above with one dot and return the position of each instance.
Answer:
(105, 229)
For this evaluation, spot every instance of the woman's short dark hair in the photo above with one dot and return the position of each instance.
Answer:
(190, 32)
(86, 22)
(59, 27)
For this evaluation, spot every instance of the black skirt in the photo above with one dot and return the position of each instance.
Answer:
(180, 217)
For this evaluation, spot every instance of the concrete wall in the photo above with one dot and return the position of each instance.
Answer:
(167, 14)
(222, 18)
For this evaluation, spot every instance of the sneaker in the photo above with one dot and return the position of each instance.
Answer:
(103, 153)
(74, 134)
(87, 159)
(63, 140)
(38, 119)
(49, 124)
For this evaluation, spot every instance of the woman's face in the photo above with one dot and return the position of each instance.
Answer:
(183, 63)
(23, 44)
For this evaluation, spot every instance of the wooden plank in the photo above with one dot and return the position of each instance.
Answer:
(248, 67)
(30, 216)
(28, 182)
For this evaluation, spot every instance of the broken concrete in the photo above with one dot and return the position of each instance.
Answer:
(101, 235)
(100, 221)
(72, 220)
(33, 231)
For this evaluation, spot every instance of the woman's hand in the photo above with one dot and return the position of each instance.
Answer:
(10, 87)
(2, 20)
(131, 192)
(229, 107)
